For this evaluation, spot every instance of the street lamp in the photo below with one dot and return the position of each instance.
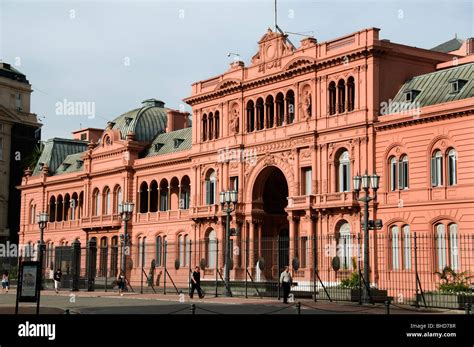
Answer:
(42, 222)
(125, 209)
(366, 182)
(228, 200)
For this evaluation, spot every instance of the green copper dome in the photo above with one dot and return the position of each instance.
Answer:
(146, 122)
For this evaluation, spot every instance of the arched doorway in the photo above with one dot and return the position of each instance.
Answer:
(271, 241)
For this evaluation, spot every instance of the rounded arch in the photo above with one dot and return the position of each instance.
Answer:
(298, 62)
(261, 165)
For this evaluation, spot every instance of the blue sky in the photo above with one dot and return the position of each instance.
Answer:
(119, 53)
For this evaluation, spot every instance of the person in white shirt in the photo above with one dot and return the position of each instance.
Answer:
(286, 281)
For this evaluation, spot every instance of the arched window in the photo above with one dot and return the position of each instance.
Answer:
(32, 213)
(211, 184)
(143, 197)
(117, 197)
(211, 126)
(250, 116)
(181, 251)
(204, 127)
(164, 195)
(345, 245)
(74, 205)
(403, 173)
(107, 201)
(103, 257)
(350, 94)
(452, 167)
(153, 196)
(332, 98)
(406, 247)
(96, 202)
(290, 108)
(142, 251)
(159, 250)
(344, 172)
(67, 205)
(441, 246)
(437, 169)
(269, 111)
(59, 208)
(185, 193)
(211, 248)
(453, 246)
(260, 116)
(393, 173)
(341, 96)
(114, 256)
(280, 109)
(216, 125)
(187, 249)
(395, 247)
(52, 209)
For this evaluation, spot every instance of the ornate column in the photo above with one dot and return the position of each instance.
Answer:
(251, 245)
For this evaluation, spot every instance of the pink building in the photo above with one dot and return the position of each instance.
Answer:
(288, 132)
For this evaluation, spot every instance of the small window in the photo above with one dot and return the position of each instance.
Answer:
(452, 167)
(411, 94)
(128, 120)
(18, 102)
(83, 137)
(437, 169)
(306, 174)
(456, 85)
(178, 142)
(158, 146)
(234, 183)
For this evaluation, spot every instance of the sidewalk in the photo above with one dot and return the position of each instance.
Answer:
(320, 305)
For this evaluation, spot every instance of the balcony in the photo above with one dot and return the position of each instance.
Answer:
(161, 216)
(341, 199)
(101, 222)
(205, 211)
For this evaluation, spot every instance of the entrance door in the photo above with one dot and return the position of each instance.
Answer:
(284, 248)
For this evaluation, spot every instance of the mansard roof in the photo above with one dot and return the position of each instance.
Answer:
(145, 122)
(56, 151)
(449, 46)
(435, 88)
(171, 142)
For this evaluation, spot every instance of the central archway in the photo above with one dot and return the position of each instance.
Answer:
(269, 200)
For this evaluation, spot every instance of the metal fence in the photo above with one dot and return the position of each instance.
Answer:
(408, 269)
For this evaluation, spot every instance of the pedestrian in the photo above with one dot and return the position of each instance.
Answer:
(121, 283)
(5, 283)
(196, 283)
(57, 280)
(286, 281)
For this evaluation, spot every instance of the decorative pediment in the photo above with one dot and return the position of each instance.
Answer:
(228, 83)
(272, 46)
(298, 62)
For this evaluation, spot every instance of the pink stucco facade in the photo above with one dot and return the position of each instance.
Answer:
(303, 117)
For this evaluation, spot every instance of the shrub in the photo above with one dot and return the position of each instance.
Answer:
(453, 282)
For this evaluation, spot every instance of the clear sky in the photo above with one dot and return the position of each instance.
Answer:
(115, 54)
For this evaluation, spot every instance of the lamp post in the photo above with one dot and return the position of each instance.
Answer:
(125, 209)
(42, 222)
(366, 182)
(228, 200)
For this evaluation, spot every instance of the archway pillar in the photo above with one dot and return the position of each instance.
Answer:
(293, 225)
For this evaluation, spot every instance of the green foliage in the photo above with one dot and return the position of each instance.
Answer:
(32, 159)
(353, 281)
(453, 282)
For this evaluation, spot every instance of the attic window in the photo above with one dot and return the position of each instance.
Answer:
(128, 120)
(66, 165)
(83, 137)
(411, 94)
(456, 85)
(158, 146)
(79, 163)
(178, 142)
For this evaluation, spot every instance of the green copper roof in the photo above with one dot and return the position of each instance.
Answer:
(174, 141)
(55, 151)
(146, 122)
(435, 88)
(72, 163)
(449, 46)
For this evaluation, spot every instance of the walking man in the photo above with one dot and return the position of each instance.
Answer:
(121, 283)
(196, 283)
(286, 281)
(57, 280)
